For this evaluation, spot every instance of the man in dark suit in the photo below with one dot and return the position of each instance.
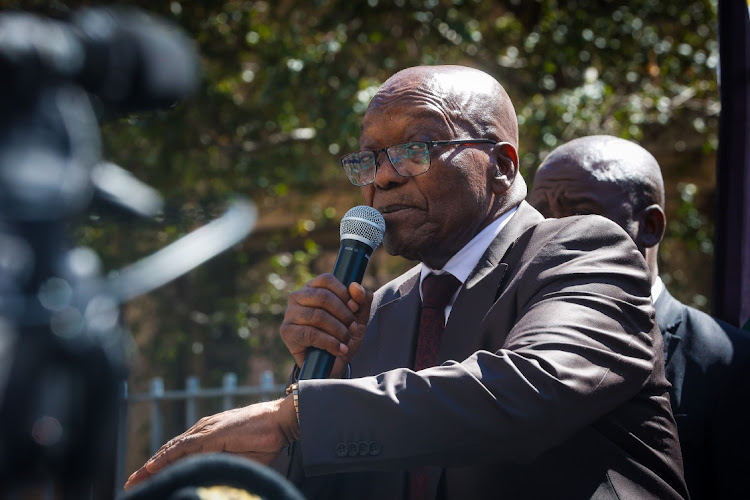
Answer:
(548, 381)
(707, 360)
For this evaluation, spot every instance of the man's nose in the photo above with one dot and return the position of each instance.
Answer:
(385, 174)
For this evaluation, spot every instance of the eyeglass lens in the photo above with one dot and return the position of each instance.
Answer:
(409, 159)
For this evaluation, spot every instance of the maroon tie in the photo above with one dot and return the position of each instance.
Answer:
(437, 290)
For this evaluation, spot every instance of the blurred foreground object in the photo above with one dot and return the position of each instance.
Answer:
(130, 60)
(215, 477)
(61, 341)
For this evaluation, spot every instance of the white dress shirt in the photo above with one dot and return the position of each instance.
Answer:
(466, 259)
(656, 289)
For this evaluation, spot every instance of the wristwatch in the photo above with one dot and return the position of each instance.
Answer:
(294, 391)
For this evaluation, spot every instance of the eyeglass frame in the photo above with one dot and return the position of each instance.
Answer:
(429, 144)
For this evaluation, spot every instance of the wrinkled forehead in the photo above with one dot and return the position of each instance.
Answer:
(607, 159)
(562, 173)
(450, 89)
(566, 185)
(459, 99)
(406, 113)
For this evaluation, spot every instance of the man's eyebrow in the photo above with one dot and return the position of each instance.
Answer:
(579, 200)
(576, 199)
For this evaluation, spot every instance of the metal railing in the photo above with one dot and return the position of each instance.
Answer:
(228, 392)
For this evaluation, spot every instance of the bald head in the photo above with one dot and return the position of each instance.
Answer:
(466, 122)
(471, 100)
(606, 176)
(608, 159)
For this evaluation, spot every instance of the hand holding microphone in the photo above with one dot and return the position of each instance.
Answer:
(324, 315)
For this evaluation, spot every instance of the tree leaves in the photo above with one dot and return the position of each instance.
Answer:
(285, 84)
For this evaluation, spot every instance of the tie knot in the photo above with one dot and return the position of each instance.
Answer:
(437, 290)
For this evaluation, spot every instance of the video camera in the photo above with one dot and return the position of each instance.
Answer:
(62, 360)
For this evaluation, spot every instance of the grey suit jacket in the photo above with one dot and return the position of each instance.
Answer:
(551, 383)
(708, 364)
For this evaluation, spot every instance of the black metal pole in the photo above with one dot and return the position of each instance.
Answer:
(731, 287)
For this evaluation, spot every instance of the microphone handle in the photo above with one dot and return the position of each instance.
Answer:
(350, 268)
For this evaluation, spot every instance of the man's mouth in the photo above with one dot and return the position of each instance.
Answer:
(389, 209)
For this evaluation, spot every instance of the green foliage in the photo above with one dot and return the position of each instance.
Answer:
(690, 239)
(284, 85)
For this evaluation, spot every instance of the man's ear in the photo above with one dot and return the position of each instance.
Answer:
(652, 227)
(507, 166)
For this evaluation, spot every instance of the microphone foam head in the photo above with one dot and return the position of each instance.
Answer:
(364, 224)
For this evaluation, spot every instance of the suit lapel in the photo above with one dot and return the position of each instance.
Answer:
(392, 331)
(669, 316)
(482, 288)
(471, 305)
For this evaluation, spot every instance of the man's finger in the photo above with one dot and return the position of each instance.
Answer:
(148, 469)
(180, 447)
(136, 477)
(329, 281)
(322, 320)
(363, 298)
(312, 300)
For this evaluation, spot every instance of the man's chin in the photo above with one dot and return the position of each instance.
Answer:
(397, 246)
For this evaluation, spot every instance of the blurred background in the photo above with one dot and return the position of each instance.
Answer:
(284, 85)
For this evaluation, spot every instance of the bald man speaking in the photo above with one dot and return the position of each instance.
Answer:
(517, 359)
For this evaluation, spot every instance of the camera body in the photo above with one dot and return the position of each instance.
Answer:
(62, 362)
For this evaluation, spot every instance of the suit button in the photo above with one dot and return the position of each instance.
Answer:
(375, 448)
(342, 450)
(353, 449)
(364, 448)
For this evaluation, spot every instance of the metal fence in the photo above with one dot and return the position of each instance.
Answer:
(227, 393)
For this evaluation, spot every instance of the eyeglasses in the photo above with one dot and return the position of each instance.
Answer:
(409, 159)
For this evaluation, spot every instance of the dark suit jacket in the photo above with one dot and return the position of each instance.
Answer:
(551, 384)
(708, 364)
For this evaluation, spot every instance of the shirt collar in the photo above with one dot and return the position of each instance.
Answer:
(465, 260)
(656, 288)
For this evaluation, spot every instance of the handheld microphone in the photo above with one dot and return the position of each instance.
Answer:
(361, 232)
